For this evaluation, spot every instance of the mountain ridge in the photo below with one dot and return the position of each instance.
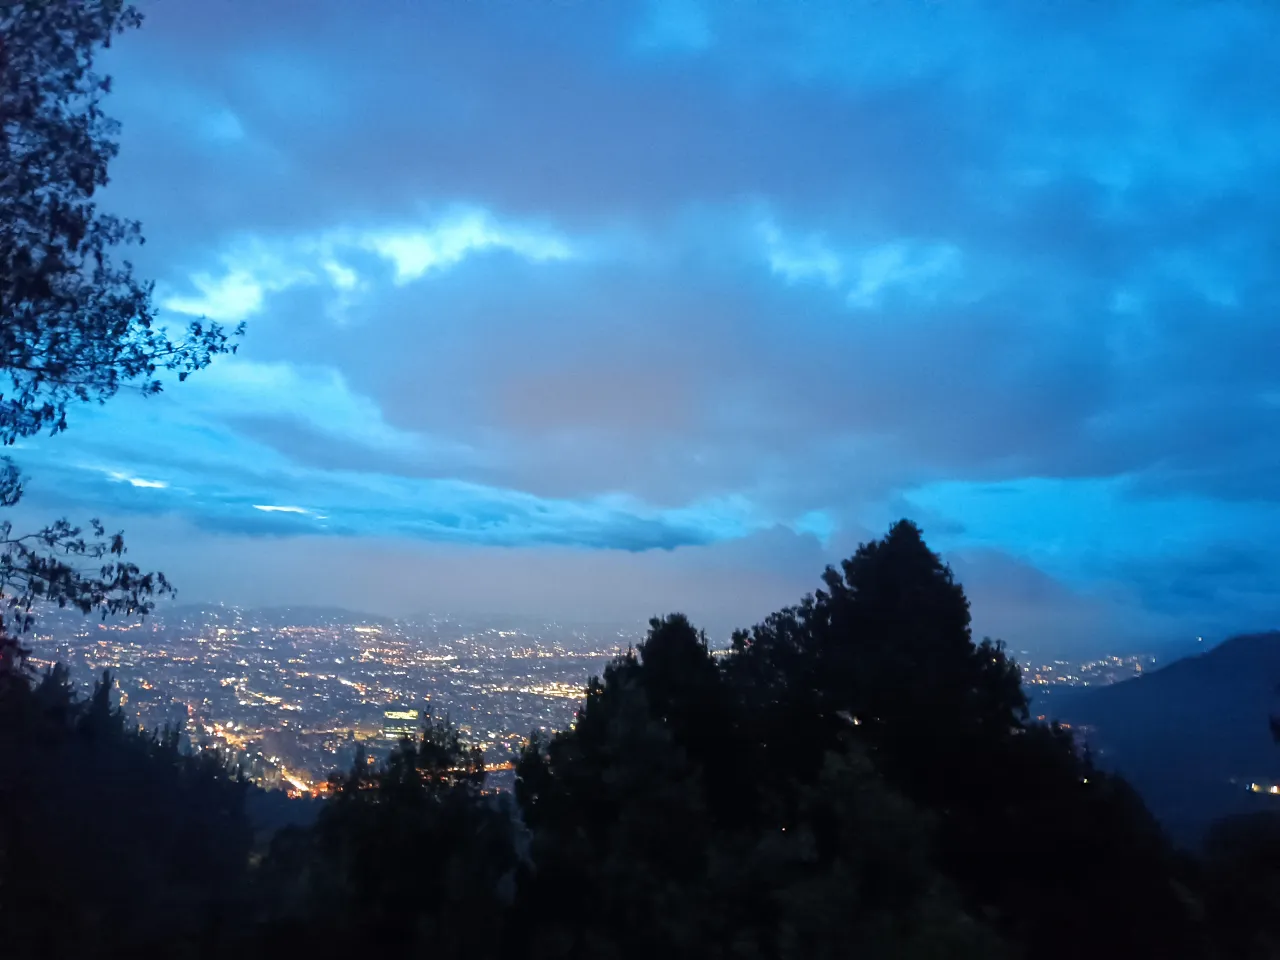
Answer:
(1192, 735)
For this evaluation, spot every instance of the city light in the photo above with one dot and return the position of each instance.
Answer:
(306, 694)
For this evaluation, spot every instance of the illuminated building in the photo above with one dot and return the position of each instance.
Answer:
(398, 724)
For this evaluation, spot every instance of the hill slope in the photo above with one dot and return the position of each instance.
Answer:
(1193, 735)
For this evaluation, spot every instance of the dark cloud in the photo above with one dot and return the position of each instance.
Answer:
(615, 277)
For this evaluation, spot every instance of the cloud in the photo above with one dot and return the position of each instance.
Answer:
(318, 398)
(220, 480)
(798, 261)
(1207, 562)
(679, 275)
(418, 252)
(255, 267)
(137, 481)
(222, 126)
(865, 275)
(1043, 618)
(231, 298)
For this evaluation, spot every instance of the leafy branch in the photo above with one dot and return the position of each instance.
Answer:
(56, 564)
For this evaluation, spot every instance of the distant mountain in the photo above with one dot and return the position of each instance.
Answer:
(301, 614)
(1192, 736)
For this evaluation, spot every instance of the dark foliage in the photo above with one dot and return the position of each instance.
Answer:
(1242, 868)
(411, 855)
(111, 839)
(75, 324)
(1031, 834)
(65, 565)
(630, 809)
(1018, 827)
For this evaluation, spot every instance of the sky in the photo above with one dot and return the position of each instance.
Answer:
(588, 308)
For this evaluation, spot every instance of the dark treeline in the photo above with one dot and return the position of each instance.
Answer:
(856, 777)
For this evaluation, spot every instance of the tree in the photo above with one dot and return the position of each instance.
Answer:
(113, 841)
(67, 565)
(675, 841)
(885, 654)
(410, 854)
(1242, 866)
(618, 816)
(75, 324)
(855, 865)
(109, 836)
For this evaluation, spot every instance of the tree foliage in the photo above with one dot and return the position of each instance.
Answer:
(111, 839)
(1242, 867)
(679, 842)
(76, 325)
(1028, 830)
(410, 854)
(66, 565)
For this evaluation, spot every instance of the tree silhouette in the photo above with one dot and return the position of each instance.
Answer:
(75, 324)
(111, 840)
(632, 809)
(409, 854)
(885, 653)
(1242, 867)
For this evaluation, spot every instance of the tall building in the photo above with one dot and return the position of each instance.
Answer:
(398, 724)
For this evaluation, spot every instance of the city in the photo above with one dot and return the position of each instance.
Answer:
(292, 695)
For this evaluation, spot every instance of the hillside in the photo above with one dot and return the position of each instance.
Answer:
(1193, 735)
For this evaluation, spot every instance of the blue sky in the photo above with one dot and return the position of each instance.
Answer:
(573, 306)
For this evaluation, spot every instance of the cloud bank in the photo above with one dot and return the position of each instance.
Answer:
(581, 281)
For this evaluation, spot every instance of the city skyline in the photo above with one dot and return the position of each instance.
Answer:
(290, 695)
